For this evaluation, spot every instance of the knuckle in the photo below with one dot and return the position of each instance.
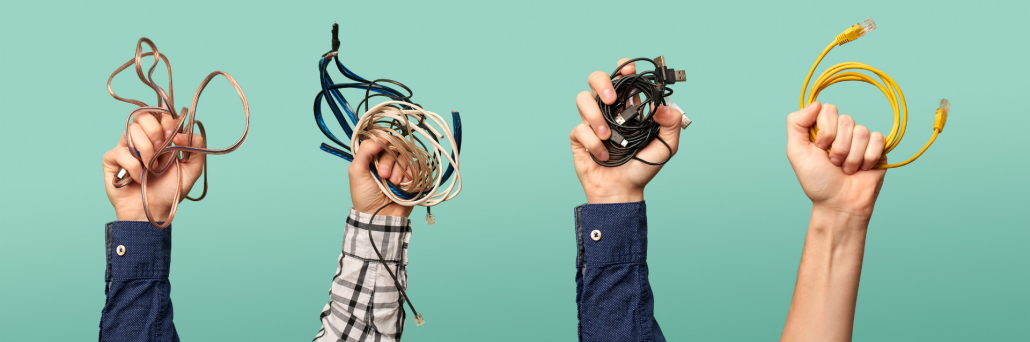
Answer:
(861, 130)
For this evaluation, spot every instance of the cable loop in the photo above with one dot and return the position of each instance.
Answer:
(167, 154)
(407, 144)
(839, 73)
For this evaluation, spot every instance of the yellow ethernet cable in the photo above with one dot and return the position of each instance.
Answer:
(839, 73)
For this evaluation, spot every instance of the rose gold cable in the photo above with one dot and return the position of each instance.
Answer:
(168, 154)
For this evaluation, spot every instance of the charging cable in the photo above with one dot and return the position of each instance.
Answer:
(632, 120)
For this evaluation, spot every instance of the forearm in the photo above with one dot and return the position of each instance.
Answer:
(823, 306)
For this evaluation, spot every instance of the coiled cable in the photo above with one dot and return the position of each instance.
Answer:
(632, 124)
(167, 154)
(840, 73)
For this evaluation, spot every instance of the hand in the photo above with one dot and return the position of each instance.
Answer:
(148, 134)
(623, 183)
(842, 180)
(364, 192)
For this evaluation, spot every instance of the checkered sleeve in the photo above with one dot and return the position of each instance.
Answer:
(365, 304)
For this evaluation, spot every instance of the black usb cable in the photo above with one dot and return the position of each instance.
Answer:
(632, 125)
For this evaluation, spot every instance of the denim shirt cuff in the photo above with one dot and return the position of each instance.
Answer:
(621, 232)
(137, 250)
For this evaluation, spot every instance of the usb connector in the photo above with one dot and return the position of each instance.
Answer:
(627, 114)
(667, 75)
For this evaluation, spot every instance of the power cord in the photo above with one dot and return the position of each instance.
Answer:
(167, 154)
(839, 73)
(632, 121)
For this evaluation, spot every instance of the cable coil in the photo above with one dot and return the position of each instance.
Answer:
(840, 73)
(168, 154)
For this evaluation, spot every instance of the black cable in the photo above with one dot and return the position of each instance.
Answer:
(418, 318)
(633, 126)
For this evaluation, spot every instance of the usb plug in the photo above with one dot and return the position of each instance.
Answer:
(667, 75)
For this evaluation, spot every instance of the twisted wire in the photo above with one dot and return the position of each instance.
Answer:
(167, 154)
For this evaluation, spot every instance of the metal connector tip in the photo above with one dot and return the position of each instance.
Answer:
(681, 76)
(659, 61)
(867, 25)
(619, 119)
(945, 105)
(430, 219)
(419, 320)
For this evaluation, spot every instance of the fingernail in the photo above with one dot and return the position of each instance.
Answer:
(811, 104)
(604, 155)
(602, 131)
(835, 161)
(168, 133)
(608, 95)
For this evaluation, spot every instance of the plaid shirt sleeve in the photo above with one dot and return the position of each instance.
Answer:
(613, 294)
(365, 304)
(138, 306)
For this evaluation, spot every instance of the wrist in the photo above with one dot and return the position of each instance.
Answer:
(837, 222)
(614, 195)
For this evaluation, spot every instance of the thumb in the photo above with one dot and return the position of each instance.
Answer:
(669, 119)
(799, 122)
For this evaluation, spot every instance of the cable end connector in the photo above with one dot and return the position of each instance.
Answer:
(430, 219)
(627, 114)
(419, 320)
(942, 115)
(618, 140)
(667, 75)
(336, 37)
(856, 31)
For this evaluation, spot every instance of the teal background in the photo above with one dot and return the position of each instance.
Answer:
(946, 259)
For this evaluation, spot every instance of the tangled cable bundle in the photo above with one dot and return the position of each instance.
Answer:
(632, 125)
(167, 154)
(404, 130)
(396, 129)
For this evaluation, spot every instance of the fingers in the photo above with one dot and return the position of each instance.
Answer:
(141, 142)
(168, 124)
(591, 114)
(367, 150)
(120, 158)
(601, 85)
(152, 127)
(827, 123)
(798, 123)
(398, 175)
(874, 151)
(842, 143)
(386, 162)
(583, 136)
(856, 157)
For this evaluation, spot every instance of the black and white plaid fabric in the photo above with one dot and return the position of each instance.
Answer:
(365, 305)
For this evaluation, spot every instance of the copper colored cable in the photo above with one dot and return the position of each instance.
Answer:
(168, 154)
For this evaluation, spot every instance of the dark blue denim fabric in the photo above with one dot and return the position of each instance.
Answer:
(612, 291)
(138, 306)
